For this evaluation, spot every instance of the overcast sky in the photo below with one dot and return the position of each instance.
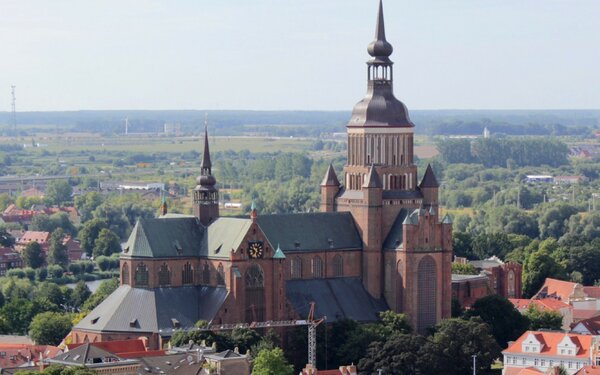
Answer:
(297, 54)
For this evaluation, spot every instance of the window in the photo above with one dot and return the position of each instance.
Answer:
(338, 266)
(125, 274)
(206, 274)
(523, 360)
(426, 294)
(570, 364)
(187, 274)
(543, 363)
(317, 267)
(220, 275)
(511, 284)
(141, 275)
(255, 294)
(536, 362)
(296, 268)
(164, 275)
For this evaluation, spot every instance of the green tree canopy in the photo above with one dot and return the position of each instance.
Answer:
(50, 328)
(33, 255)
(57, 252)
(107, 243)
(271, 362)
(89, 233)
(505, 321)
(543, 319)
(58, 192)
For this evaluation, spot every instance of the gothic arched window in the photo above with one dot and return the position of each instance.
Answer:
(296, 268)
(220, 275)
(511, 284)
(338, 266)
(125, 274)
(206, 274)
(317, 267)
(187, 274)
(141, 275)
(426, 294)
(255, 294)
(164, 275)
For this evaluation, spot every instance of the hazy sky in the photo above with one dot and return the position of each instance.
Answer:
(297, 54)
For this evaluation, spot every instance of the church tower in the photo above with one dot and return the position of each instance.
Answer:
(206, 195)
(407, 248)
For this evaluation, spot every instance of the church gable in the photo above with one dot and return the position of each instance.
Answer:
(225, 235)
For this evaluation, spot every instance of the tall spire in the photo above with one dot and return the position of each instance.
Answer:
(206, 164)
(380, 48)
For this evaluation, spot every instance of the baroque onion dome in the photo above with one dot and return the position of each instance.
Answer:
(380, 108)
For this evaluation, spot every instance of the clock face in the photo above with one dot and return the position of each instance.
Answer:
(255, 249)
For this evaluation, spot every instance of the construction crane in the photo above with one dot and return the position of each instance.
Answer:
(310, 321)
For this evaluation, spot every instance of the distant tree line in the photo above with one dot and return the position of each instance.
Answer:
(505, 152)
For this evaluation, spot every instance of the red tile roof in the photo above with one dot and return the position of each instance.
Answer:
(32, 235)
(117, 346)
(589, 370)
(560, 288)
(591, 324)
(550, 341)
(581, 314)
(592, 291)
(522, 371)
(545, 303)
(16, 355)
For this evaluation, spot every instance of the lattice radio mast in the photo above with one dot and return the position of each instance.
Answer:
(14, 107)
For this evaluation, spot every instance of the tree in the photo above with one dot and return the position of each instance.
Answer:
(81, 293)
(505, 321)
(103, 291)
(107, 243)
(50, 328)
(542, 318)
(58, 192)
(400, 354)
(540, 265)
(453, 344)
(6, 240)
(486, 245)
(553, 221)
(55, 271)
(462, 245)
(32, 255)
(89, 233)
(57, 252)
(271, 362)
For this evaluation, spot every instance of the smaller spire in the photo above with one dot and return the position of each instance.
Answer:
(278, 253)
(330, 178)
(380, 47)
(206, 164)
(373, 180)
(429, 180)
(163, 204)
(253, 213)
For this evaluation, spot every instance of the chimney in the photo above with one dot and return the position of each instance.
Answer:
(351, 369)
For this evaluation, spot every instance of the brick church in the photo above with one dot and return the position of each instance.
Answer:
(378, 243)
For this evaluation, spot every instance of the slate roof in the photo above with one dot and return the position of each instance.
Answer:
(311, 231)
(395, 237)
(330, 178)
(335, 298)
(87, 355)
(225, 234)
(130, 309)
(179, 364)
(429, 180)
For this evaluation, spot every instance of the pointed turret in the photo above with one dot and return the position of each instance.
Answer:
(330, 178)
(429, 180)
(373, 180)
(429, 187)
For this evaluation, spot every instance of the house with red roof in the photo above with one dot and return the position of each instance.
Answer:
(589, 370)
(544, 350)
(343, 370)
(9, 259)
(17, 355)
(584, 299)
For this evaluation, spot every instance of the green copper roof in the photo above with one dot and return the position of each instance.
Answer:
(278, 253)
(447, 219)
(166, 237)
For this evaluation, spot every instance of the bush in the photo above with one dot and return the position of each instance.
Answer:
(30, 273)
(16, 272)
(55, 271)
(41, 274)
(75, 268)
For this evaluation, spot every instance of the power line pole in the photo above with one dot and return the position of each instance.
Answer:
(14, 107)
(474, 364)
